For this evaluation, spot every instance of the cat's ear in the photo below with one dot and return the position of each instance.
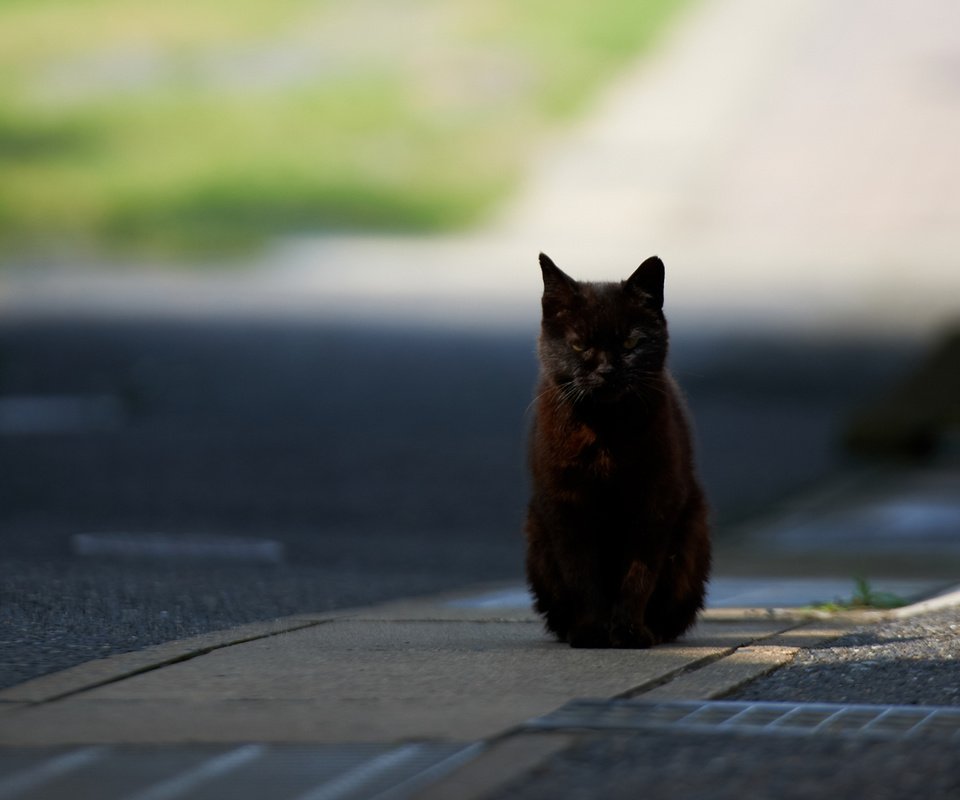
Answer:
(647, 280)
(559, 289)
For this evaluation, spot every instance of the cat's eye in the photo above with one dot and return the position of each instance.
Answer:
(577, 347)
(631, 342)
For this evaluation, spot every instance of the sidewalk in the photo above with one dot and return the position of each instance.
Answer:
(464, 695)
(457, 674)
(435, 669)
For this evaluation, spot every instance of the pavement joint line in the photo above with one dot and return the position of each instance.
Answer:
(179, 659)
(823, 636)
(669, 677)
(700, 663)
(736, 685)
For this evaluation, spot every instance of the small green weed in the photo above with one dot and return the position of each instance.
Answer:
(864, 597)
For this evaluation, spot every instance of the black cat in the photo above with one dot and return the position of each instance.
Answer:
(618, 543)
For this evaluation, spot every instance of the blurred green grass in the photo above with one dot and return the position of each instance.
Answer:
(207, 126)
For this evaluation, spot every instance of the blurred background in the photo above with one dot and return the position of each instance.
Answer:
(208, 128)
(269, 291)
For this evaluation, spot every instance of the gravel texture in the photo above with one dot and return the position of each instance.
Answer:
(914, 661)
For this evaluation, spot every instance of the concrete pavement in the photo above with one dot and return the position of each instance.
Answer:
(465, 674)
(401, 672)
(433, 669)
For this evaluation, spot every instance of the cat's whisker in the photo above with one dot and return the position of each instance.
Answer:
(569, 392)
(653, 381)
(566, 392)
(529, 408)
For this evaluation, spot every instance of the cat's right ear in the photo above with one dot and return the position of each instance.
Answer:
(647, 282)
(559, 289)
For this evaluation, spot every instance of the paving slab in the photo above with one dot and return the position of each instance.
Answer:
(717, 678)
(367, 679)
(106, 670)
(454, 668)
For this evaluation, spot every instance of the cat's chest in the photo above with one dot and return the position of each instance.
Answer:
(599, 454)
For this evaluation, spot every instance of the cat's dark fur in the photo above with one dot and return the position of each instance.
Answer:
(618, 547)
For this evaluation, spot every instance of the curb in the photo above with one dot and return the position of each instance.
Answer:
(943, 599)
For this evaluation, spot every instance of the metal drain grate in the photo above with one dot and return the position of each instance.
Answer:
(804, 719)
(241, 772)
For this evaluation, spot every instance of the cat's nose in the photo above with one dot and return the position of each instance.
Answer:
(604, 366)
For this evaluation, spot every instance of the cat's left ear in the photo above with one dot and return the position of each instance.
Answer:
(647, 279)
(559, 289)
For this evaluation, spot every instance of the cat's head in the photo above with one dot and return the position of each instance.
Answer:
(602, 341)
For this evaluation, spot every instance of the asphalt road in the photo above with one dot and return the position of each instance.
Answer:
(357, 463)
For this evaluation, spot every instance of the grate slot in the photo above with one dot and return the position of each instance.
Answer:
(759, 715)
(740, 717)
(785, 716)
(936, 723)
(707, 714)
(829, 720)
(902, 720)
(797, 719)
(850, 720)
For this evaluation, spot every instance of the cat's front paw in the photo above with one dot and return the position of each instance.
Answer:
(637, 637)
